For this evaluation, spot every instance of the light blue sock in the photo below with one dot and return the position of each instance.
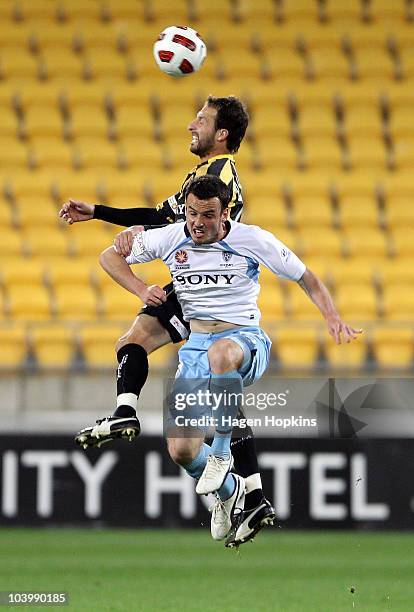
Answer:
(196, 467)
(227, 488)
(227, 389)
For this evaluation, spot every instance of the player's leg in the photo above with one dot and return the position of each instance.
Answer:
(154, 327)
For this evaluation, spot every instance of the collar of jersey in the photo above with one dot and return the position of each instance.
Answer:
(210, 159)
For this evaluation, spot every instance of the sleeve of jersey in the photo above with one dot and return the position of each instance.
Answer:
(146, 247)
(130, 216)
(276, 256)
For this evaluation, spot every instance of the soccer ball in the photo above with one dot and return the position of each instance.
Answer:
(179, 51)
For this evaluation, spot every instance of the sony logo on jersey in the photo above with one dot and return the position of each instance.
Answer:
(205, 279)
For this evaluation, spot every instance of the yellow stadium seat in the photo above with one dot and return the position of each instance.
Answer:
(79, 270)
(98, 344)
(310, 184)
(367, 243)
(358, 211)
(160, 187)
(139, 64)
(43, 121)
(90, 243)
(240, 35)
(293, 10)
(29, 302)
(163, 11)
(341, 11)
(311, 211)
(359, 94)
(10, 243)
(89, 94)
(346, 355)
(13, 345)
(356, 271)
(207, 13)
(107, 63)
(76, 9)
(267, 211)
(275, 152)
(271, 300)
(399, 212)
(119, 304)
(75, 302)
(41, 9)
(129, 122)
(50, 152)
(92, 35)
(126, 93)
(60, 64)
(243, 61)
(382, 9)
(33, 212)
(404, 152)
(322, 153)
(398, 184)
(368, 36)
(356, 302)
(271, 120)
(46, 242)
(283, 63)
(46, 34)
(13, 153)
(35, 93)
(13, 34)
(18, 62)
(297, 347)
(402, 245)
(331, 64)
(96, 152)
(88, 122)
(401, 122)
(8, 123)
(76, 185)
(53, 345)
(320, 241)
(398, 302)
(21, 271)
(363, 120)
(169, 124)
(315, 121)
(396, 271)
(355, 184)
(313, 94)
(407, 60)
(393, 347)
(373, 63)
(114, 10)
(367, 152)
(301, 307)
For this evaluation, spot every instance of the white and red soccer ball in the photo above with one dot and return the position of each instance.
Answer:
(179, 51)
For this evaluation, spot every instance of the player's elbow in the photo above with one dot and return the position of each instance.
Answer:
(106, 257)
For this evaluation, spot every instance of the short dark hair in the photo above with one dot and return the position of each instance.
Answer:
(209, 186)
(232, 116)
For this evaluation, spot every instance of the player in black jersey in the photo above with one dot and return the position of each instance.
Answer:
(217, 132)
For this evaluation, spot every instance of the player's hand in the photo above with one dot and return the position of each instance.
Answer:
(340, 331)
(74, 211)
(153, 295)
(124, 240)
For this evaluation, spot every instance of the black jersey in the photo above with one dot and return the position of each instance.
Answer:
(172, 209)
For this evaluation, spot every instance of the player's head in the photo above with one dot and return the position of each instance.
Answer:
(219, 127)
(207, 206)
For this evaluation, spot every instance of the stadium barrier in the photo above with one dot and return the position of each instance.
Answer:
(315, 483)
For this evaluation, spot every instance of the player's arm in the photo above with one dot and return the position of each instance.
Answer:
(75, 211)
(321, 297)
(116, 266)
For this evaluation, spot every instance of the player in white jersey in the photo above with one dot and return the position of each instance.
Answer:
(214, 264)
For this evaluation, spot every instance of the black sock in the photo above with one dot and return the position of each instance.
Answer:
(132, 374)
(243, 450)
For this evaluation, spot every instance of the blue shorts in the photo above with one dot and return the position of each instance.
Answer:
(193, 357)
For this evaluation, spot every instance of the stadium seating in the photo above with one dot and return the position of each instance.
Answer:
(326, 165)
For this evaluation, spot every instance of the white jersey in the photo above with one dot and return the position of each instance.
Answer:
(218, 281)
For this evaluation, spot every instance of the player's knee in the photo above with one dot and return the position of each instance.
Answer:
(224, 356)
(180, 451)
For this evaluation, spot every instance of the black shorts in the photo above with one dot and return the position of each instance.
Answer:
(170, 316)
